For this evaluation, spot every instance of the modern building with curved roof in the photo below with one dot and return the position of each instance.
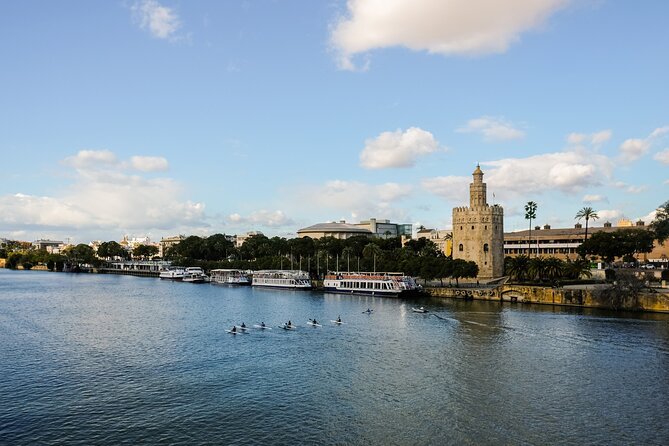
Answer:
(341, 230)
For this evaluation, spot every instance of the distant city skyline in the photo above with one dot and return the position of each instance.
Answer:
(156, 117)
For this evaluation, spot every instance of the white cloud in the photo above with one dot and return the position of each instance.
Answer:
(662, 156)
(105, 199)
(634, 148)
(601, 137)
(272, 219)
(452, 188)
(594, 199)
(567, 171)
(91, 158)
(629, 188)
(659, 132)
(397, 149)
(610, 215)
(357, 199)
(492, 129)
(466, 27)
(594, 139)
(161, 21)
(149, 163)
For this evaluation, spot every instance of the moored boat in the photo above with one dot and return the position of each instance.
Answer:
(229, 277)
(172, 273)
(374, 284)
(195, 274)
(293, 279)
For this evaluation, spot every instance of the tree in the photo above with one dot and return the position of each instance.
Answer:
(372, 251)
(577, 268)
(530, 214)
(517, 267)
(587, 213)
(620, 243)
(80, 254)
(660, 224)
(216, 247)
(536, 269)
(145, 251)
(112, 249)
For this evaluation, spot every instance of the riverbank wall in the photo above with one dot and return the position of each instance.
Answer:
(586, 297)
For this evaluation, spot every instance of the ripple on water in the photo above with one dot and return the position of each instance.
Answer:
(90, 359)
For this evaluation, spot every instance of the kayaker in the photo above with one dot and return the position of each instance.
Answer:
(243, 325)
(338, 318)
(262, 324)
(234, 329)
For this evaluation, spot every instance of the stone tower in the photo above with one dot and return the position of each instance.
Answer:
(478, 231)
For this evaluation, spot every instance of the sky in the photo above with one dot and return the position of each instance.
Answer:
(164, 117)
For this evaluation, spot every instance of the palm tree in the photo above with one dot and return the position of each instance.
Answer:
(516, 267)
(346, 252)
(587, 213)
(372, 250)
(530, 214)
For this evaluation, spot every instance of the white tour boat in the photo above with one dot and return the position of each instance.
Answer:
(195, 274)
(229, 277)
(294, 279)
(374, 284)
(172, 273)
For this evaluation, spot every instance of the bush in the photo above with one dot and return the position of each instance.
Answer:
(610, 274)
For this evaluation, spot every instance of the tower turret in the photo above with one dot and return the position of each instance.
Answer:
(477, 189)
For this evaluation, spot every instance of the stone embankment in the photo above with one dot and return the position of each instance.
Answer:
(587, 296)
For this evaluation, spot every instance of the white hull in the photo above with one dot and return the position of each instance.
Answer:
(371, 284)
(298, 280)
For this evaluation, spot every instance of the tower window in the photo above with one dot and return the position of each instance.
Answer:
(461, 248)
(472, 226)
(485, 227)
(485, 247)
(461, 228)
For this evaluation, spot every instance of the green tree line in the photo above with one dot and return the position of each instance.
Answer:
(419, 258)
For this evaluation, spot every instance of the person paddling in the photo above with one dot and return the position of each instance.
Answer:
(234, 329)
(339, 319)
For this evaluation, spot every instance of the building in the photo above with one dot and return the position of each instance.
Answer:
(563, 243)
(341, 230)
(441, 237)
(370, 228)
(50, 246)
(478, 231)
(167, 242)
(240, 239)
(385, 229)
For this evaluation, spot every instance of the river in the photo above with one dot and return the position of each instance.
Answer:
(91, 359)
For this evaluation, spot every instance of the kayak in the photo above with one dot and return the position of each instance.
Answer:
(367, 311)
(337, 322)
(262, 327)
(419, 310)
(242, 328)
(314, 324)
(288, 327)
(231, 332)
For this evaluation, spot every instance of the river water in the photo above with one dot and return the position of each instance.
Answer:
(110, 360)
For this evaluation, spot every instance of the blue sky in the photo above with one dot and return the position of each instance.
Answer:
(160, 117)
